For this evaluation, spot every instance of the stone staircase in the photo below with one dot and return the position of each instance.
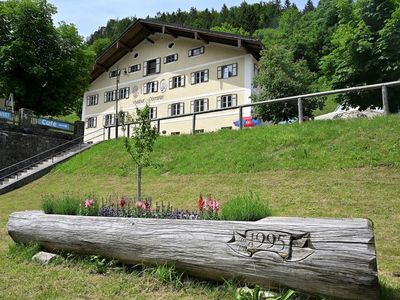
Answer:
(37, 170)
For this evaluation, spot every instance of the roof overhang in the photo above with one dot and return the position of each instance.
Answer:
(142, 29)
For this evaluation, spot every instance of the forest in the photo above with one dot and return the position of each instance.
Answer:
(337, 44)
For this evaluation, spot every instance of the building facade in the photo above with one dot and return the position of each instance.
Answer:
(176, 71)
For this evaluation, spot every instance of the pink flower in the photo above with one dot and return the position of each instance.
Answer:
(89, 203)
(139, 204)
(216, 206)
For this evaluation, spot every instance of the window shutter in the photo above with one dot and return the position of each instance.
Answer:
(183, 80)
(165, 60)
(219, 73)
(155, 112)
(190, 52)
(105, 97)
(175, 56)
(218, 102)
(171, 83)
(202, 50)
(96, 99)
(193, 78)
(205, 75)
(145, 88)
(234, 71)
(205, 103)
(181, 108)
(234, 100)
(145, 68)
(158, 63)
(95, 121)
(127, 92)
(169, 110)
(155, 86)
(192, 106)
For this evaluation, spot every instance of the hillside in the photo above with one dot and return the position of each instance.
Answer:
(341, 169)
(311, 146)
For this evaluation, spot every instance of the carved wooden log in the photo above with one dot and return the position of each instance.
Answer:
(332, 257)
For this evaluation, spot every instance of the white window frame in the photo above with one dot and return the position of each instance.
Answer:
(196, 51)
(200, 76)
(177, 81)
(157, 67)
(150, 87)
(123, 93)
(91, 122)
(114, 73)
(199, 105)
(226, 101)
(153, 112)
(227, 71)
(170, 58)
(92, 100)
(134, 68)
(109, 120)
(176, 109)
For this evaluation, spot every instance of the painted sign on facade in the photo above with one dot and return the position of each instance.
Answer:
(5, 115)
(53, 124)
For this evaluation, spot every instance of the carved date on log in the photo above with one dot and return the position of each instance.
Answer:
(332, 257)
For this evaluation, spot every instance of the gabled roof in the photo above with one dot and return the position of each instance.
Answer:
(142, 29)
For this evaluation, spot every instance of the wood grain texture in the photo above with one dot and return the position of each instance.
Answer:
(332, 257)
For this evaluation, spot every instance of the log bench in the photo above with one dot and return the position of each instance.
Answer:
(330, 257)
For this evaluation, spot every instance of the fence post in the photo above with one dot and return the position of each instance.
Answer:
(385, 101)
(129, 130)
(240, 117)
(300, 108)
(109, 132)
(194, 124)
(158, 125)
(104, 134)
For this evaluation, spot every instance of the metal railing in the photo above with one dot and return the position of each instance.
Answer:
(298, 98)
(51, 155)
(9, 117)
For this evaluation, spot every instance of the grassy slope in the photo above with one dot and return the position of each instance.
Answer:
(327, 169)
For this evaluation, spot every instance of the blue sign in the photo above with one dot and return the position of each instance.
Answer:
(5, 115)
(53, 124)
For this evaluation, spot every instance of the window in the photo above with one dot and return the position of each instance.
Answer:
(109, 120)
(177, 81)
(227, 101)
(112, 95)
(91, 122)
(199, 105)
(176, 109)
(153, 113)
(199, 77)
(114, 73)
(134, 68)
(175, 133)
(170, 58)
(150, 87)
(151, 66)
(92, 100)
(196, 51)
(227, 71)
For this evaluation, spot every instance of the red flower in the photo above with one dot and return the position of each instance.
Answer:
(122, 202)
(200, 202)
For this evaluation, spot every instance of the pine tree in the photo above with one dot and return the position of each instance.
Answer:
(309, 6)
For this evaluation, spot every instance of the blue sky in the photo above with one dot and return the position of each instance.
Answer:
(89, 15)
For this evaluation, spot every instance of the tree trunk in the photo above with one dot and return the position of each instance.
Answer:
(331, 257)
(139, 181)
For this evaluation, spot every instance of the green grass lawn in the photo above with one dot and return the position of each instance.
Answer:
(347, 168)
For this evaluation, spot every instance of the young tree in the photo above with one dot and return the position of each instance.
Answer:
(281, 76)
(141, 143)
(46, 68)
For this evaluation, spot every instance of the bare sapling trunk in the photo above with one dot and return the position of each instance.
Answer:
(139, 181)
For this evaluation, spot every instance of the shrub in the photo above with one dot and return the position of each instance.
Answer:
(246, 207)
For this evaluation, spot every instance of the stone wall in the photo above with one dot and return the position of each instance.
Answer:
(18, 144)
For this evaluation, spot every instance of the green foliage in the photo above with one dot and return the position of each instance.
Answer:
(365, 51)
(228, 28)
(140, 144)
(23, 251)
(99, 45)
(47, 68)
(256, 293)
(246, 207)
(281, 76)
(66, 204)
(167, 274)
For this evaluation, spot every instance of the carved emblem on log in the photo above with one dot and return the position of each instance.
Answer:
(283, 245)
